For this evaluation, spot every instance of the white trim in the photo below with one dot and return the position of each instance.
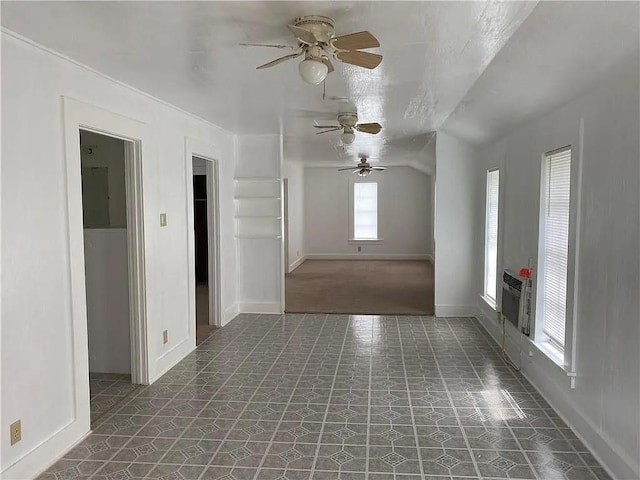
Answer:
(365, 241)
(211, 153)
(297, 263)
(368, 256)
(171, 357)
(248, 307)
(230, 313)
(542, 373)
(456, 310)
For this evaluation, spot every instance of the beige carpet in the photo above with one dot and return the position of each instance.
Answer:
(401, 287)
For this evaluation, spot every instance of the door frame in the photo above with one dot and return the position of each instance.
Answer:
(82, 116)
(210, 153)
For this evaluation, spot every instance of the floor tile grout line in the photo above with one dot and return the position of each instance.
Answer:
(455, 410)
(506, 423)
(265, 375)
(368, 440)
(131, 437)
(413, 418)
(294, 388)
(326, 412)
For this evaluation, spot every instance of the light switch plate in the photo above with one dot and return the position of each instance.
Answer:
(163, 219)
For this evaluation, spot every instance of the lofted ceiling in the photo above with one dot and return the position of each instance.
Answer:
(442, 64)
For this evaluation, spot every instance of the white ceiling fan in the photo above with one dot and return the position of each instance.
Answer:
(317, 41)
(349, 124)
(363, 168)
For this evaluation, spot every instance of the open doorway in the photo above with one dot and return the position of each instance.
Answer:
(105, 204)
(204, 225)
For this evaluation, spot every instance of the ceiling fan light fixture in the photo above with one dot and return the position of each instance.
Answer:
(313, 71)
(364, 172)
(348, 137)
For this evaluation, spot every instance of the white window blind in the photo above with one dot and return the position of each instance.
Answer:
(555, 245)
(365, 211)
(491, 235)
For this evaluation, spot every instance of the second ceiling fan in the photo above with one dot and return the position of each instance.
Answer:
(317, 41)
(349, 124)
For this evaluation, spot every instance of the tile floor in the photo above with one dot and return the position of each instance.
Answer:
(108, 390)
(335, 397)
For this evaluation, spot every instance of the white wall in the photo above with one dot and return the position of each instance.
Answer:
(404, 200)
(37, 348)
(604, 408)
(107, 279)
(455, 226)
(294, 173)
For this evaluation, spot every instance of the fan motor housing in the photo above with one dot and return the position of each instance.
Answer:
(348, 119)
(322, 27)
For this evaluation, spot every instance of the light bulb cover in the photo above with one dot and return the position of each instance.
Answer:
(348, 137)
(364, 172)
(313, 71)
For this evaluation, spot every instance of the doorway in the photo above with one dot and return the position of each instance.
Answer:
(204, 226)
(106, 236)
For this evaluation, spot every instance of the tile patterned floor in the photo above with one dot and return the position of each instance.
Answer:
(335, 397)
(108, 390)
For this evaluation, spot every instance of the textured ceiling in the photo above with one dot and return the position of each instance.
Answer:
(436, 55)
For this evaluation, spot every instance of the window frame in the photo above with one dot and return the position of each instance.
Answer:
(492, 301)
(352, 182)
(562, 356)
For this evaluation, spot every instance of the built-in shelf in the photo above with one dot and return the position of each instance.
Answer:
(275, 237)
(258, 179)
(251, 197)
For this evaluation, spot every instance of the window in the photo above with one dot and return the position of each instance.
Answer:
(491, 236)
(553, 250)
(365, 211)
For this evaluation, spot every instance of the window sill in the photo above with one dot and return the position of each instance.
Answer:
(551, 352)
(366, 241)
(490, 303)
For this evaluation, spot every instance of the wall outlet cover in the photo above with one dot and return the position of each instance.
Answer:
(359, 248)
(163, 219)
(15, 430)
(165, 337)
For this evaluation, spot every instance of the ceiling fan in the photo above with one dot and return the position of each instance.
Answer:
(348, 123)
(363, 168)
(317, 41)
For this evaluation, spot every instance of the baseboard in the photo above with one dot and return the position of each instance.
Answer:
(170, 358)
(368, 256)
(456, 310)
(230, 313)
(430, 258)
(297, 263)
(260, 307)
(48, 452)
(602, 448)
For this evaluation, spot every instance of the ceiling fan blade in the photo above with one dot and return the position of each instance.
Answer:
(372, 128)
(303, 35)
(275, 62)
(348, 168)
(328, 63)
(355, 41)
(378, 168)
(332, 130)
(267, 45)
(360, 59)
(327, 126)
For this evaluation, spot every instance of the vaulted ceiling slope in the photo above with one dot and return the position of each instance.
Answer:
(443, 64)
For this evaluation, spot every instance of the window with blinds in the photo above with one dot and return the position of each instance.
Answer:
(491, 235)
(554, 247)
(365, 211)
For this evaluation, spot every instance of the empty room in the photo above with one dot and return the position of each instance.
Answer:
(320, 240)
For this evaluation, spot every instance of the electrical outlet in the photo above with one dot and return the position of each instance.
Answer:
(297, 253)
(163, 219)
(165, 336)
(359, 248)
(15, 430)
